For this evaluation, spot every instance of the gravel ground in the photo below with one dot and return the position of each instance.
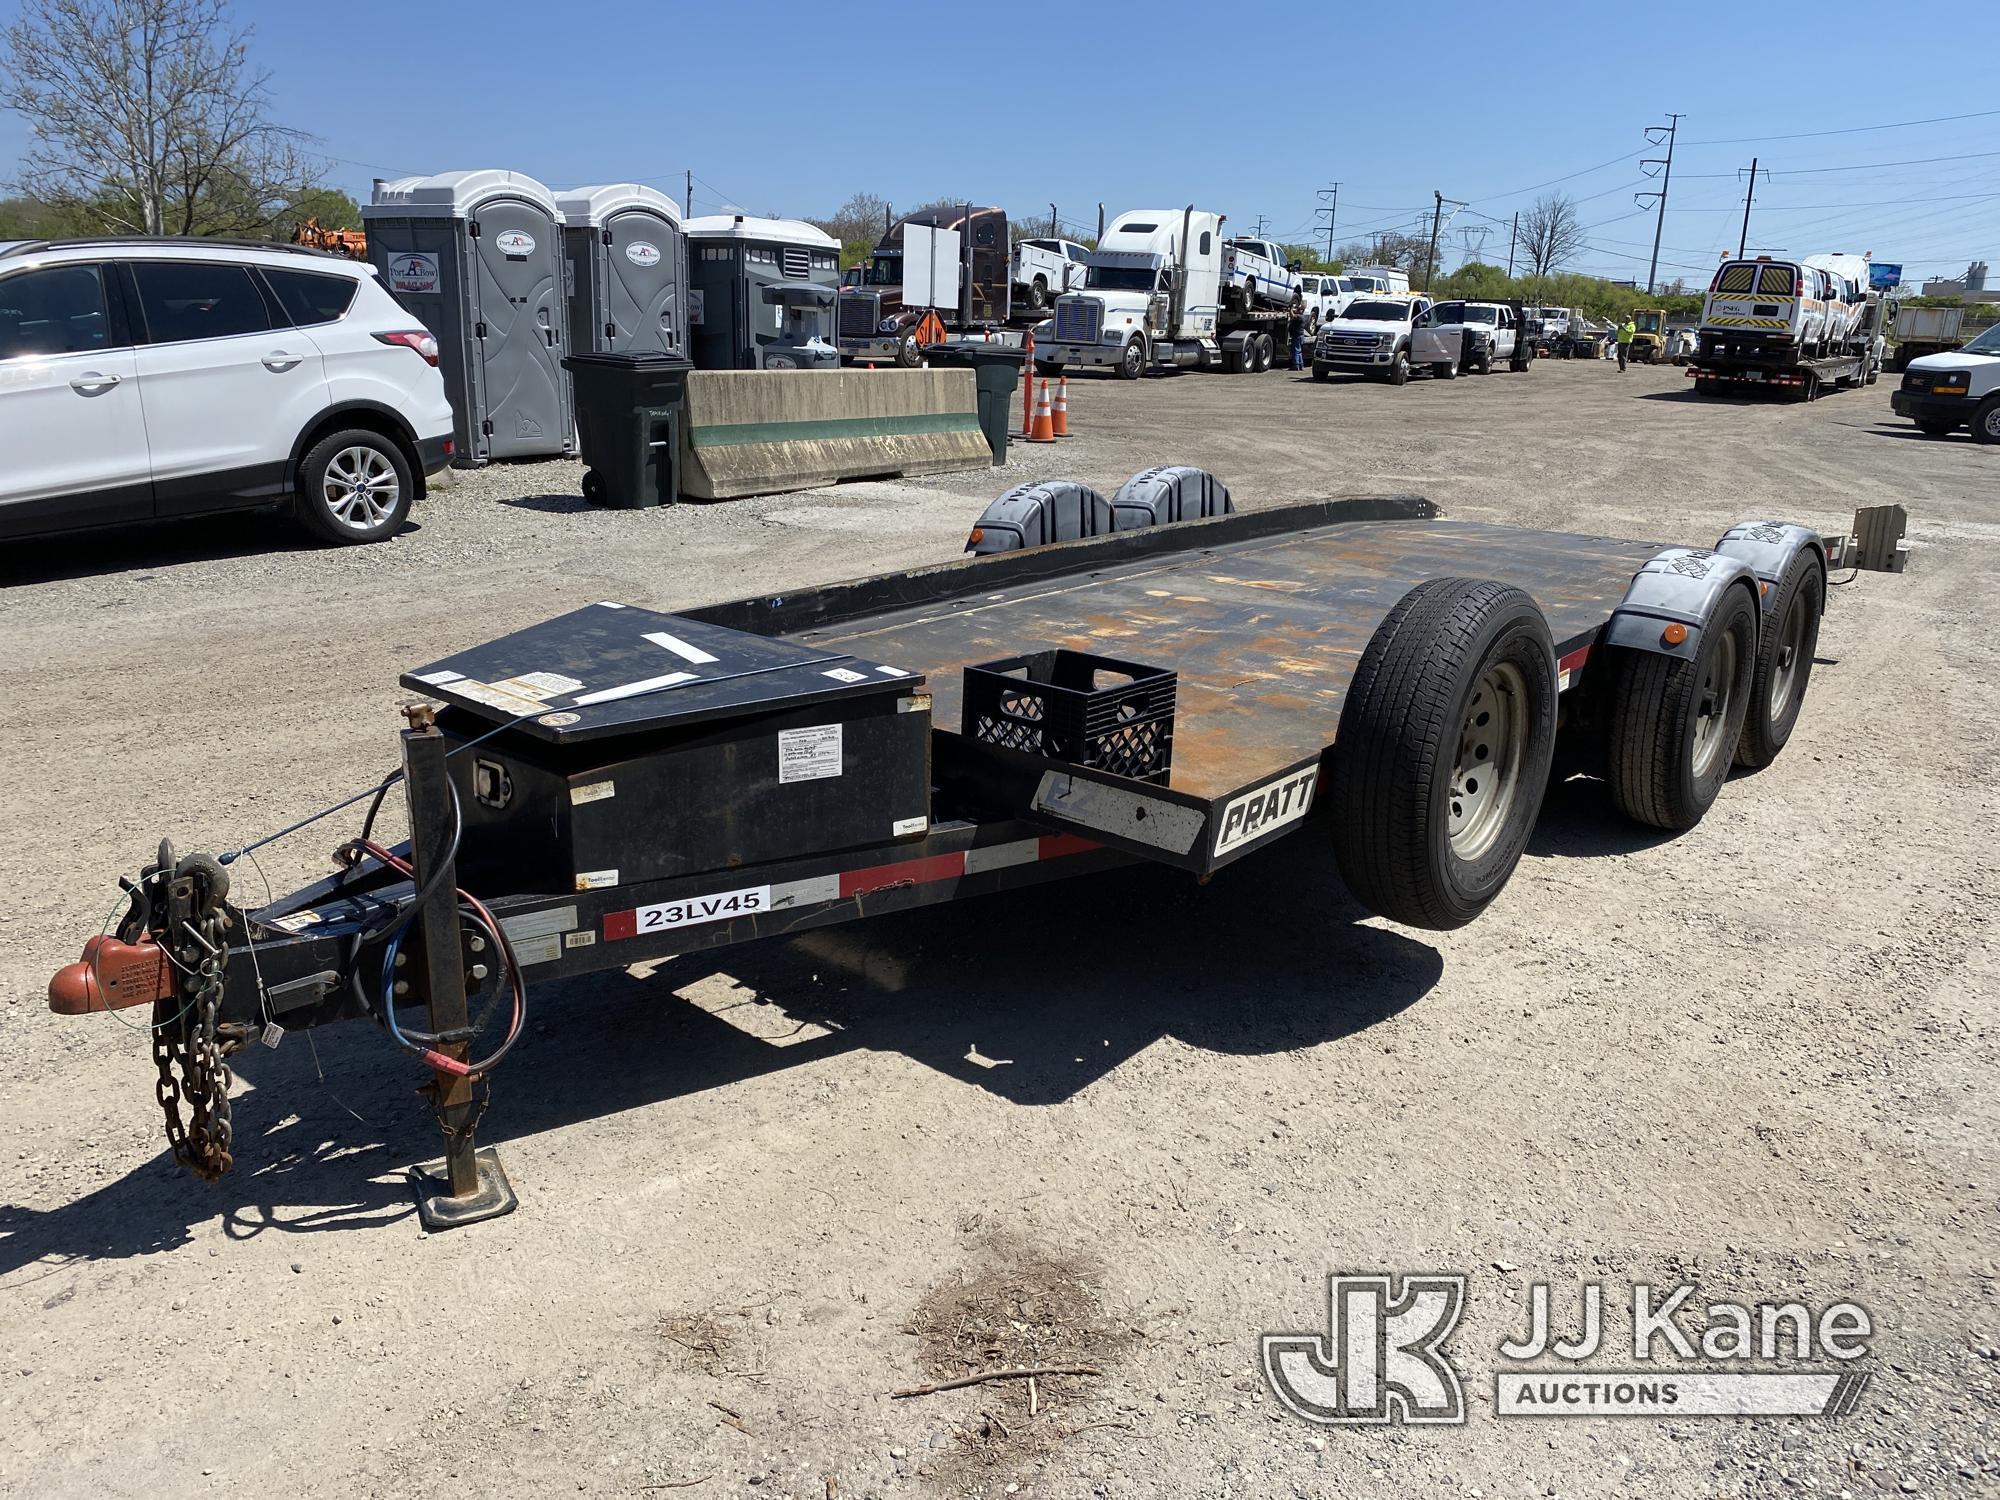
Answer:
(1129, 1122)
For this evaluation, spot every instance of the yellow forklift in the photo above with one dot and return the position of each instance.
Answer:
(1649, 337)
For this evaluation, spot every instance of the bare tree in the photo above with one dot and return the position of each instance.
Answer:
(1551, 234)
(148, 117)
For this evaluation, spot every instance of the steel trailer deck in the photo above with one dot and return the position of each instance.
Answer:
(1264, 616)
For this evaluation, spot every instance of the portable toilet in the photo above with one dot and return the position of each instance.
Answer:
(626, 270)
(732, 258)
(477, 258)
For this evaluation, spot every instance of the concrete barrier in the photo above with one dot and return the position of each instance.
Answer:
(762, 432)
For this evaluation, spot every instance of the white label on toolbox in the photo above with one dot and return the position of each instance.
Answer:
(595, 880)
(696, 909)
(536, 924)
(904, 826)
(581, 939)
(1258, 812)
(518, 704)
(439, 679)
(597, 791)
(809, 754)
(298, 921)
(679, 647)
(539, 684)
(892, 672)
(843, 674)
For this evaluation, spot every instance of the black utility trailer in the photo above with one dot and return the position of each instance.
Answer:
(616, 785)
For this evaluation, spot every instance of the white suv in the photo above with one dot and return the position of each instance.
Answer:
(144, 378)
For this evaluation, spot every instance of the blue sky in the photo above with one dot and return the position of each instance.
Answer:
(787, 108)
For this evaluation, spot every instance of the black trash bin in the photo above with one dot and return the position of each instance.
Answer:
(996, 368)
(628, 426)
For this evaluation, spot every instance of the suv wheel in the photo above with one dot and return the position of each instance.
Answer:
(354, 486)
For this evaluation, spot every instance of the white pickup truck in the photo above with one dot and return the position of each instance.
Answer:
(1255, 271)
(1943, 392)
(1370, 337)
(1467, 337)
(1044, 269)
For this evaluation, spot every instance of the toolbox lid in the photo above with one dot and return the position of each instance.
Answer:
(610, 669)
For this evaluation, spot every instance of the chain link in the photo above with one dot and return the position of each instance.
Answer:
(191, 1061)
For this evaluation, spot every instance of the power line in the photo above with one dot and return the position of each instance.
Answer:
(1804, 135)
(1869, 166)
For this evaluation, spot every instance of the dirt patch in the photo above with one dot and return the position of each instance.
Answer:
(1014, 1306)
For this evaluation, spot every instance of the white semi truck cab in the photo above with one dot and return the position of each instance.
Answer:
(1152, 298)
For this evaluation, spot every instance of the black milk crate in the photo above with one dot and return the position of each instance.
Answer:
(1114, 716)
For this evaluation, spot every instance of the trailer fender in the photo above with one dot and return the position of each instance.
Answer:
(1168, 493)
(1680, 587)
(1769, 547)
(1033, 515)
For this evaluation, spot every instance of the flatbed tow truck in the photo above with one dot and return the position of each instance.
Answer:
(617, 785)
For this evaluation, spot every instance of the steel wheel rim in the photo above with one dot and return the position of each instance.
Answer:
(1791, 643)
(1712, 706)
(1486, 776)
(1992, 423)
(360, 488)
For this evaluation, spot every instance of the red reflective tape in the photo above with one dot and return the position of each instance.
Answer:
(907, 872)
(620, 924)
(1056, 845)
(1574, 660)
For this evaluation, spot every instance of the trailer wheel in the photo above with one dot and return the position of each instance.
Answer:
(1260, 354)
(1399, 368)
(1445, 744)
(1784, 663)
(1132, 363)
(1986, 420)
(1675, 722)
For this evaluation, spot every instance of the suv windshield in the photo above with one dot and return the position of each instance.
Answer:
(1378, 312)
(1120, 278)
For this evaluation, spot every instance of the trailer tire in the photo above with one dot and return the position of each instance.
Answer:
(1132, 363)
(1986, 421)
(1399, 368)
(1458, 680)
(1260, 353)
(1675, 722)
(1784, 662)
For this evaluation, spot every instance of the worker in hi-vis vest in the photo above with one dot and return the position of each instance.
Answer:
(1625, 331)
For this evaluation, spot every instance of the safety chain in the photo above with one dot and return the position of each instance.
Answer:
(190, 1056)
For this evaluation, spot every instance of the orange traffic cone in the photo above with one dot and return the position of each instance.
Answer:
(1044, 430)
(1060, 423)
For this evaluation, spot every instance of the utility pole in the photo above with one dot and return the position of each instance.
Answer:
(1513, 239)
(687, 205)
(1332, 196)
(1259, 230)
(1744, 238)
(1052, 221)
(1437, 222)
(1654, 135)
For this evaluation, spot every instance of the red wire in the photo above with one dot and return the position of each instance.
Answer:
(436, 1059)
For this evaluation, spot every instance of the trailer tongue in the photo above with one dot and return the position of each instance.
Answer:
(618, 785)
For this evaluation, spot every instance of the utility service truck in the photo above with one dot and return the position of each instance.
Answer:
(1792, 325)
(1164, 291)
(933, 274)
(1044, 269)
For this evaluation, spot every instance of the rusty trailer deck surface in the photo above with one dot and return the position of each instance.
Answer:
(1265, 633)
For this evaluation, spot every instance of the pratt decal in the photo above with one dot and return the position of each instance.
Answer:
(1270, 806)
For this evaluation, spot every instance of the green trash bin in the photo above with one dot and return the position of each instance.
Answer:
(996, 368)
(628, 426)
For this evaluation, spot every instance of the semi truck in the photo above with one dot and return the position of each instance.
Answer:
(971, 289)
(1789, 325)
(1165, 291)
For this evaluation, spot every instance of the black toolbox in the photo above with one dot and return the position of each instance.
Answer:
(615, 745)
